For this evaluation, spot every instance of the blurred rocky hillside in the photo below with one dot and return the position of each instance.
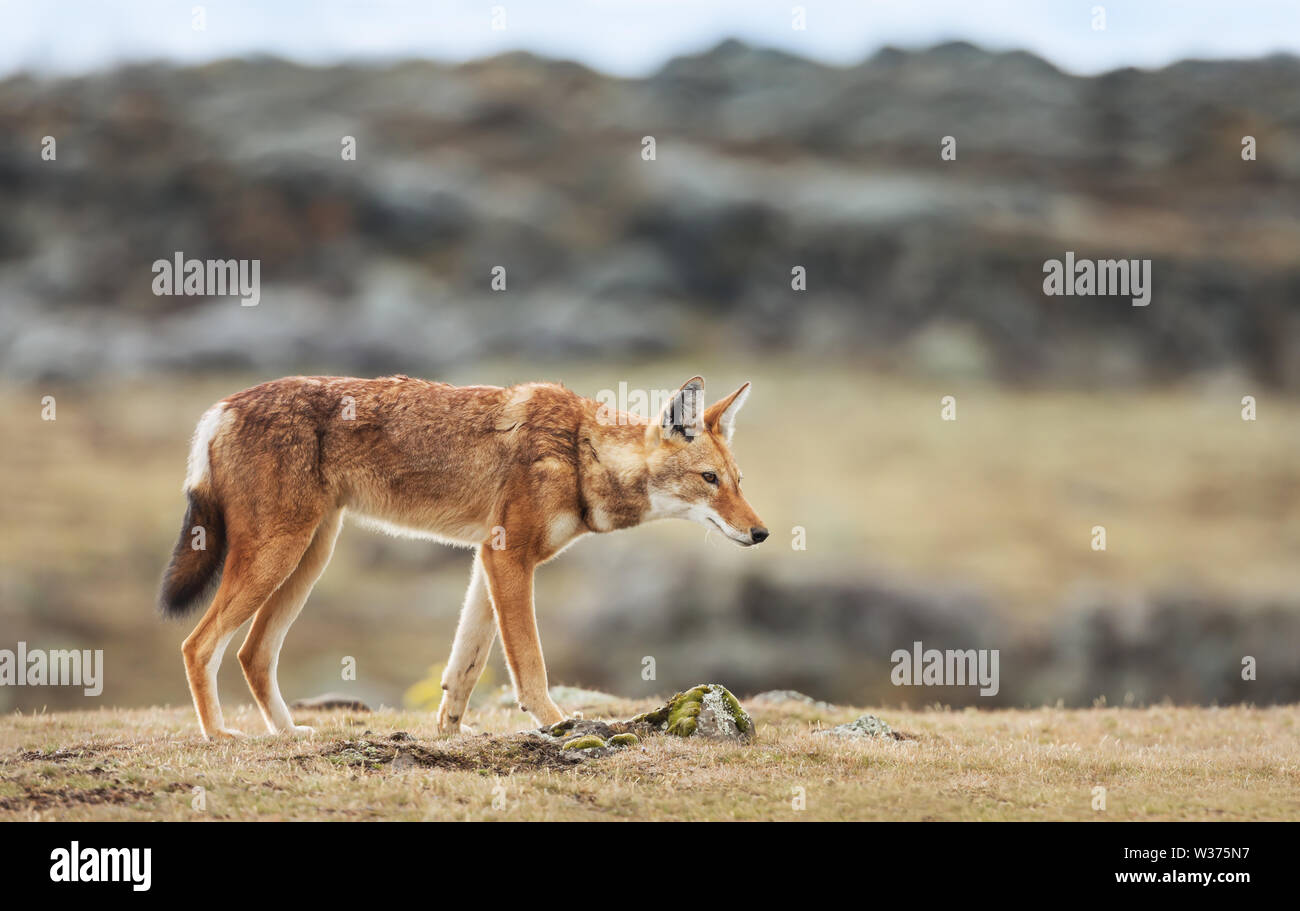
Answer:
(764, 161)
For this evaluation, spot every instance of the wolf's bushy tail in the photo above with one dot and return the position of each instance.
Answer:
(197, 561)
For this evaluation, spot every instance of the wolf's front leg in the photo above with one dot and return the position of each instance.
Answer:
(469, 654)
(510, 581)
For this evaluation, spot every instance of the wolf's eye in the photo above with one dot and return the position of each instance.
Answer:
(710, 477)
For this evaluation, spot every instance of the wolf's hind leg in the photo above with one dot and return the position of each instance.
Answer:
(254, 569)
(260, 654)
(469, 654)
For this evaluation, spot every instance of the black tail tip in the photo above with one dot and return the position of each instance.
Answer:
(182, 593)
(197, 561)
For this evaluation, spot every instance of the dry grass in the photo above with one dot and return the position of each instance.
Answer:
(1156, 763)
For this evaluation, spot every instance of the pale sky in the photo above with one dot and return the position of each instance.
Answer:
(632, 37)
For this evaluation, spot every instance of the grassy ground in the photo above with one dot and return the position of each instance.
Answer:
(1155, 763)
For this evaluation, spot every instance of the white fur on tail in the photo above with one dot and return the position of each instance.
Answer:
(198, 467)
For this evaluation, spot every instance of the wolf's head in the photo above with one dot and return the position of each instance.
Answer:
(692, 472)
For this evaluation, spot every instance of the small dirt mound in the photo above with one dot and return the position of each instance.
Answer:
(330, 702)
(60, 755)
(65, 754)
(51, 798)
(498, 754)
(479, 752)
(706, 711)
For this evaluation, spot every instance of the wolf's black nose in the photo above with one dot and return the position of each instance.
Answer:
(758, 534)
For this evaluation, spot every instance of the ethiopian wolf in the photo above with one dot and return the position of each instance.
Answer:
(517, 473)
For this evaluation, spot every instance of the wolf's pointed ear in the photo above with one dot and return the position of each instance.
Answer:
(683, 414)
(721, 415)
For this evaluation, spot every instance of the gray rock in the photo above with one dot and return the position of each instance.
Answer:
(707, 710)
(868, 727)
(593, 739)
(777, 697)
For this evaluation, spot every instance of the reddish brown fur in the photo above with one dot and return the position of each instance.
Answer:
(533, 466)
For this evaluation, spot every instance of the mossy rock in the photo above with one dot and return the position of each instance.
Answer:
(562, 728)
(624, 740)
(585, 742)
(707, 710)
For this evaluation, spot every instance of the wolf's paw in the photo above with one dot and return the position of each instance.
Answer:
(449, 723)
(548, 715)
(300, 730)
(225, 734)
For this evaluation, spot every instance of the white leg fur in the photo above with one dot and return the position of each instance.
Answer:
(475, 633)
(219, 730)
